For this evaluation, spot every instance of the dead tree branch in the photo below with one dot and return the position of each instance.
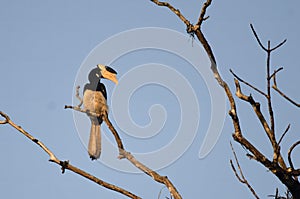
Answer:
(240, 177)
(282, 173)
(153, 174)
(190, 27)
(174, 10)
(256, 108)
(125, 154)
(248, 84)
(268, 50)
(202, 14)
(285, 96)
(289, 154)
(65, 164)
(275, 72)
(282, 93)
(257, 38)
(277, 196)
(116, 135)
(284, 133)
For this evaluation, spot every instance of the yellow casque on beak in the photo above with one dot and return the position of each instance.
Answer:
(108, 75)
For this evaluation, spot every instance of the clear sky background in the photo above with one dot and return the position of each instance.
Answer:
(44, 43)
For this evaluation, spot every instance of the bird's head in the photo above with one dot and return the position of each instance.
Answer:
(108, 73)
(102, 71)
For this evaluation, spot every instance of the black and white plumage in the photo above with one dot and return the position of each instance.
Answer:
(94, 100)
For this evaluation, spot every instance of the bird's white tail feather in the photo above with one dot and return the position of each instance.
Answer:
(94, 147)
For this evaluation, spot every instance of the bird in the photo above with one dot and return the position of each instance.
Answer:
(94, 101)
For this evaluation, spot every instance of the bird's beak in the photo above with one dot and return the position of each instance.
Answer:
(109, 75)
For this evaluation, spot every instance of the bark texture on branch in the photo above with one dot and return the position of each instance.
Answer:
(127, 155)
(277, 164)
(65, 164)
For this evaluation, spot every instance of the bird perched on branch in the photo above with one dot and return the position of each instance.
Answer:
(94, 101)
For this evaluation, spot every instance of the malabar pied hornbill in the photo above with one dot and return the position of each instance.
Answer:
(94, 100)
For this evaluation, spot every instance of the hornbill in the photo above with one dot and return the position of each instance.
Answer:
(94, 100)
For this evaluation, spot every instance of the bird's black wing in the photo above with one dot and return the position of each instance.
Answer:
(102, 89)
(86, 86)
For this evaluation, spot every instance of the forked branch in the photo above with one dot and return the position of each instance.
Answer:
(289, 154)
(174, 10)
(268, 50)
(125, 154)
(275, 87)
(240, 177)
(279, 170)
(261, 45)
(256, 108)
(65, 164)
(248, 84)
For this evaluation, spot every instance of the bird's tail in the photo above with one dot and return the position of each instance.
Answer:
(94, 147)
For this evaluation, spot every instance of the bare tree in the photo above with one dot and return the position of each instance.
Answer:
(65, 165)
(277, 165)
(288, 175)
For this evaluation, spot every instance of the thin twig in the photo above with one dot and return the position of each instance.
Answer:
(174, 10)
(257, 38)
(202, 14)
(248, 84)
(285, 96)
(282, 94)
(277, 155)
(282, 136)
(241, 177)
(276, 196)
(289, 154)
(271, 133)
(270, 108)
(160, 191)
(275, 72)
(65, 164)
(195, 29)
(279, 45)
(29, 136)
(268, 50)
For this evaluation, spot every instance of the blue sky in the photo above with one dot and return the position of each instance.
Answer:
(45, 44)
